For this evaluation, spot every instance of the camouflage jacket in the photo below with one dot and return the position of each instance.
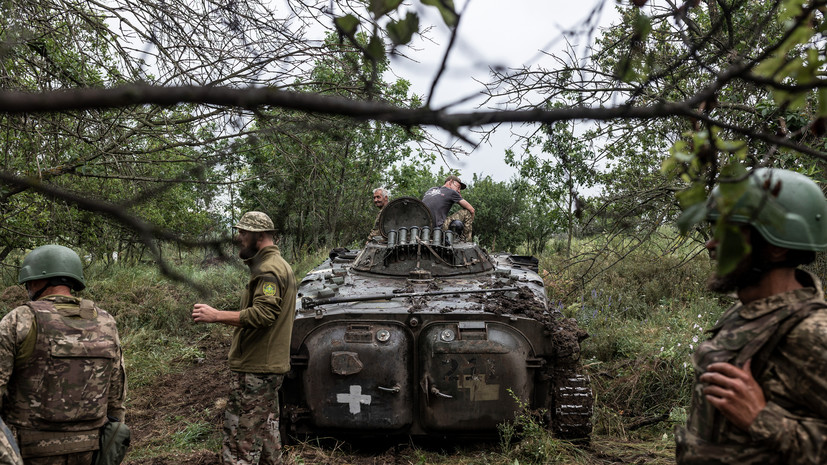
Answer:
(9, 452)
(792, 429)
(375, 231)
(61, 373)
(268, 307)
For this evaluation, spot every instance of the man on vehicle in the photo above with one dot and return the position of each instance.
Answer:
(439, 201)
(380, 199)
(760, 395)
(61, 365)
(260, 351)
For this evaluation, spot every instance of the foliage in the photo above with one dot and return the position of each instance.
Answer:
(315, 175)
(499, 212)
(413, 178)
(526, 440)
(567, 165)
(645, 316)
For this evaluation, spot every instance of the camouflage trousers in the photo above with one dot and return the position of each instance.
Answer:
(79, 458)
(467, 219)
(251, 421)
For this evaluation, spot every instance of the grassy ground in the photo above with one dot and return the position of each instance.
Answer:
(645, 315)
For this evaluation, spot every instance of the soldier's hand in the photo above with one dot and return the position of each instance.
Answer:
(734, 392)
(203, 313)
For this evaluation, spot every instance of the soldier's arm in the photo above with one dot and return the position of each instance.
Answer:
(117, 391)
(203, 313)
(464, 204)
(266, 302)
(801, 438)
(15, 344)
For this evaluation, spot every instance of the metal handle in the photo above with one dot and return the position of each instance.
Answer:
(394, 389)
(436, 392)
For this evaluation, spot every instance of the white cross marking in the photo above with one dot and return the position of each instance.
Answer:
(354, 399)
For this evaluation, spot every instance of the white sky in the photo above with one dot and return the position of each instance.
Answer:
(509, 34)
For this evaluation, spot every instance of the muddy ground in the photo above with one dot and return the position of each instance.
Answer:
(198, 395)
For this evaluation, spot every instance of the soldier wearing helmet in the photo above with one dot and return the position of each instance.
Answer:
(61, 366)
(760, 394)
(260, 350)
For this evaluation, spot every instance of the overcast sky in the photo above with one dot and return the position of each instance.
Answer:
(506, 34)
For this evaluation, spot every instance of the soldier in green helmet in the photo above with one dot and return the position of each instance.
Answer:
(760, 395)
(260, 350)
(61, 366)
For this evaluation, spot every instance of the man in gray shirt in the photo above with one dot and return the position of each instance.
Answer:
(440, 200)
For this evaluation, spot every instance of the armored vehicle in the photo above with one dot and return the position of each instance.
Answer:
(423, 333)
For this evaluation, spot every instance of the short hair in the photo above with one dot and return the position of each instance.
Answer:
(385, 193)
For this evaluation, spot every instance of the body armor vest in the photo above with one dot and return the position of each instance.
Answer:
(708, 438)
(64, 385)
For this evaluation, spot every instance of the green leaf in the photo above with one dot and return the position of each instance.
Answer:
(770, 66)
(730, 146)
(733, 169)
(642, 26)
(379, 8)
(376, 48)
(695, 194)
(790, 9)
(732, 247)
(822, 101)
(669, 164)
(700, 138)
(625, 71)
(692, 216)
(446, 9)
(347, 24)
(401, 32)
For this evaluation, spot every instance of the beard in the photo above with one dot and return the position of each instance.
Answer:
(747, 272)
(249, 251)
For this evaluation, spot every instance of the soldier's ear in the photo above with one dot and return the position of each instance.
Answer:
(776, 254)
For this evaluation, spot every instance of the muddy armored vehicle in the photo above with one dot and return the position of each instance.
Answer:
(424, 334)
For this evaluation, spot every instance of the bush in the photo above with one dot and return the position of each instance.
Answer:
(645, 316)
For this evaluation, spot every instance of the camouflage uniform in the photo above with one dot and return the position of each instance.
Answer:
(792, 428)
(375, 231)
(9, 452)
(61, 374)
(467, 219)
(259, 356)
(248, 439)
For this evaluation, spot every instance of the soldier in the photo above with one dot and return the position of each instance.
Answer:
(61, 366)
(9, 452)
(760, 394)
(380, 199)
(260, 351)
(440, 200)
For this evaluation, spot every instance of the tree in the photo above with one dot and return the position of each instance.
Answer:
(316, 178)
(719, 84)
(499, 207)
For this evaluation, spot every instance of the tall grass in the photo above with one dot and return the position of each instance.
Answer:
(645, 315)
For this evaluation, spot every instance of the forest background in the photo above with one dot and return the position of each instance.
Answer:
(139, 132)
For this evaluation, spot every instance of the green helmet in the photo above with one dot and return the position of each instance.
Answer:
(787, 208)
(51, 261)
